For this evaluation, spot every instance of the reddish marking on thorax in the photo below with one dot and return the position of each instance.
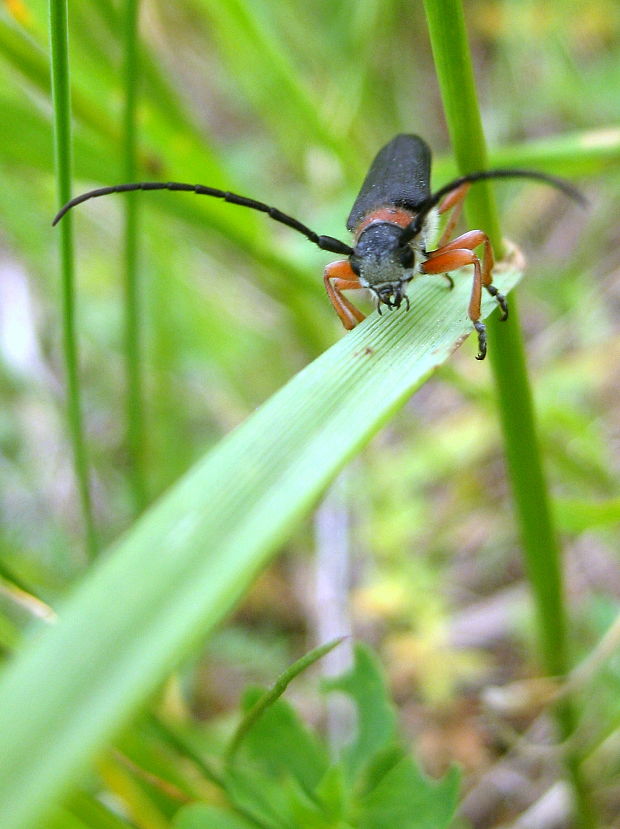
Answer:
(393, 215)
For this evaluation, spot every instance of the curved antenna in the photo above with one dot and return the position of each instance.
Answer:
(415, 226)
(323, 242)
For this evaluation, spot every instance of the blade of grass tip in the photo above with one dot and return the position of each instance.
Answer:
(541, 549)
(59, 45)
(279, 687)
(133, 361)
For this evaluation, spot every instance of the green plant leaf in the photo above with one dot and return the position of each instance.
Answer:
(185, 563)
(333, 793)
(406, 799)
(275, 801)
(376, 717)
(280, 744)
(382, 762)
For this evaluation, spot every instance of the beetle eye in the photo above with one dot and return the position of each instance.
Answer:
(406, 258)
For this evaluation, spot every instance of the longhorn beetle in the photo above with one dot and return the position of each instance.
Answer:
(393, 219)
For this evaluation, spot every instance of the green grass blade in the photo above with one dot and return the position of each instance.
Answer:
(456, 81)
(189, 558)
(539, 538)
(59, 43)
(133, 362)
(587, 152)
(241, 30)
(579, 153)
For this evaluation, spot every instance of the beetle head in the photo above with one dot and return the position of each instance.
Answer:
(383, 264)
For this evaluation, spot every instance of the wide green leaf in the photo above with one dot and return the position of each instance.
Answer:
(376, 715)
(185, 563)
(406, 799)
(280, 744)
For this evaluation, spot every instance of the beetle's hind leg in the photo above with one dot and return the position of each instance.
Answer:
(454, 202)
(501, 301)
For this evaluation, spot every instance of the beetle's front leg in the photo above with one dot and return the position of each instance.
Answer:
(340, 276)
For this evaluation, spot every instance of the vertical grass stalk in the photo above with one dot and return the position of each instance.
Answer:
(541, 549)
(59, 45)
(132, 335)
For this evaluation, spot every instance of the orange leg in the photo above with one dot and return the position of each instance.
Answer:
(453, 201)
(447, 260)
(471, 240)
(339, 276)
(457, 258)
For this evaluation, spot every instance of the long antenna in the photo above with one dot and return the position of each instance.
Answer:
(323, 242)
(415, 226)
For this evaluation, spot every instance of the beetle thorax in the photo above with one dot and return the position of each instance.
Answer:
(378, 258)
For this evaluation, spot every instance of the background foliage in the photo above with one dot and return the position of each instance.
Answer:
(288, 103)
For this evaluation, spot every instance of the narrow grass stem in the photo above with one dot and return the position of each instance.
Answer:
(132, 335)
(541, 549)
(275, 692)
(59, 45)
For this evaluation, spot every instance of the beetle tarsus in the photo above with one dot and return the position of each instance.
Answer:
(482, 339)
(501, 301)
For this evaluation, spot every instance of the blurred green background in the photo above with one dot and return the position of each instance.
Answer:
(288, 103)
